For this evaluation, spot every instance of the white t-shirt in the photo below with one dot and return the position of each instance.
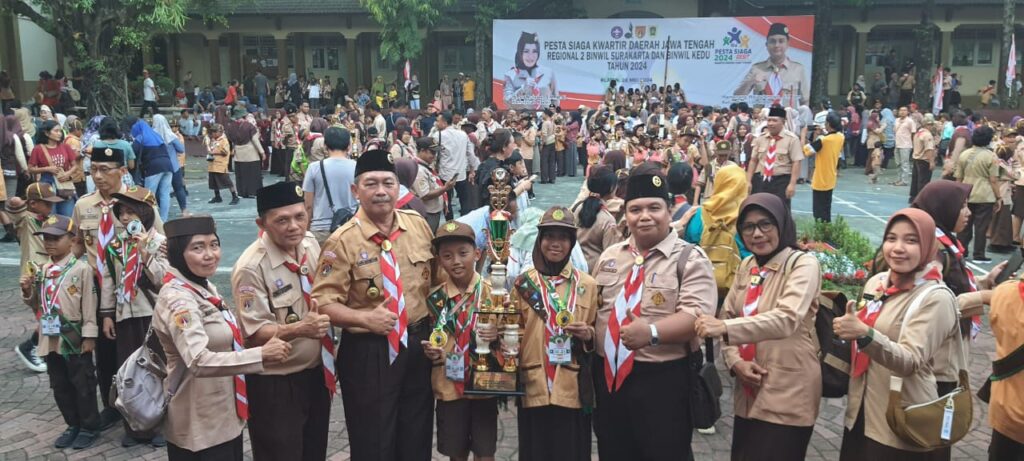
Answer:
(314, 91)
(148, 90)
(340, 174)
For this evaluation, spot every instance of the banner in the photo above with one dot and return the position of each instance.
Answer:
(716, 61)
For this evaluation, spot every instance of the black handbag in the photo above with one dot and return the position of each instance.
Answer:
(705, 387)
(340, 216)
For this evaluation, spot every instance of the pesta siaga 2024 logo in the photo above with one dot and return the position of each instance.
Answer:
(634, 32)
(735, 48)
(735, 38)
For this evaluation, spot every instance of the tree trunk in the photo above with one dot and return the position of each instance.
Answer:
(822, 50)
(924, 62)
(482, 44)
(1005, 95)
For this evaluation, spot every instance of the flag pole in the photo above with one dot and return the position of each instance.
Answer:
(668, 46)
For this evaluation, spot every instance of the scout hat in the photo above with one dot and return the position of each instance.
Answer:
(929, 119)
(108, 154)
(723, 145)
(778, 28)
(192, 225)
(646, 185)
(374, 160)
(57, 226)
(136, 194)
(688, 131)
(41, 191)
(454, 230)
(290, 109)
(557, 216)
(426, 142)
(777, 111)
(278, 195)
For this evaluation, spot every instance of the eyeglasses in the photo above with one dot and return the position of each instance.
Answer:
(764, 225)
(100, 169)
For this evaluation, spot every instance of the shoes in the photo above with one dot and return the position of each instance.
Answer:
(108, 418)
(67, 438)
(1000, 248)
(234, 201)
(128, 441)
(158, 441)
(26, 351)
(9, 238)
(85, 439)
(981, 259)
(707, 431)
(216, 200)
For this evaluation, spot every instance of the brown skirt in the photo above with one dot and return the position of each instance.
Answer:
(1018, 201)
(1001, 229)
(249, 177)
(220, 181)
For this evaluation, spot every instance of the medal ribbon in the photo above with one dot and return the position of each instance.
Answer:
(326, 343)
(957, 250)
(618, 360)
(749, 351)
(390, 273)
(130, 273)
(104, 235)
(241, 396)
(53, 279)
(869, 315)
(465, 320)
(553, 306)
(769, 162)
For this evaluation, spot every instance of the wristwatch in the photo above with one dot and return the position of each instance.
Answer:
(654, 335)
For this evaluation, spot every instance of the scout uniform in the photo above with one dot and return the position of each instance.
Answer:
(427, 181)
(385, 380)
(65, 301)
(464, 423)
(198, 331)
(554, 419)
(602, 234)
(785, 84)
(707, 179)
(33, 255)
(642, 408)
(773, 157)
(96, 227)
(217, 167)
(291, 401)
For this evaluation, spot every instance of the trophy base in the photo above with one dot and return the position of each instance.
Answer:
(494, 383)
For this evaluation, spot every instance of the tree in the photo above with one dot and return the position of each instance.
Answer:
(401, 22)
(822, 49)
(100, 38)
(924, 56)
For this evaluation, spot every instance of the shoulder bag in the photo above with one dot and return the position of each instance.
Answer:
(940, 422)
(338, 216)
(706, 389)
(141, 396)
(65, 189)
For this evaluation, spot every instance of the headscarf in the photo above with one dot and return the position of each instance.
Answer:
(143, 134)
(942, 200)
(45, 108)
(724, 204)
(61, 119)
(860, 81)
(6, 131)
(92, 130)
(874, 121)
(780, 216)
(25, 120)
(292, 79)
(163, 128)
(551, 268)
(615, 159)
(240, 132)
(406, 169)
(925, 227)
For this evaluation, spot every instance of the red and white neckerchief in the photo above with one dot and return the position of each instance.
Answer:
(52, 280)
(465, 317)
(552, 304)
(869, 315)
(957, 250)
(130, 273)
(434, 177)
(405, 199)
(104, 235)
(749, 351)
(618, 359)
(391, 275)
(773, 86)
(241, 395)
(769, 161)
(326, 343)
(679, 199)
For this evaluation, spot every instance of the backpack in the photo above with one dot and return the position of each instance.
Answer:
(719, 242)
(300, 162)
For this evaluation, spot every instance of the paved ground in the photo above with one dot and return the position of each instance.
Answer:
(31, 422)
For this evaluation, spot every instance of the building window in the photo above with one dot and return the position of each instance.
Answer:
(974, 48)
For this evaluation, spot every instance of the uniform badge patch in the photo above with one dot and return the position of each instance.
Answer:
(658, 298)
(182, 319)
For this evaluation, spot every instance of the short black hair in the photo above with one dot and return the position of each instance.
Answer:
(982, 136)
(447, 116)
(833, 121)
(337, 138)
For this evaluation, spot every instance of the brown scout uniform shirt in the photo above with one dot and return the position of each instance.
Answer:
(155, 266)
(665, 292)
(350, 265)
(444, 389)
(787, 151)
(783, 330)
(598, 237)
(220, 148)
(266, 291)
(910, 357)
(77, 295)
(194, 334)
(533, 347)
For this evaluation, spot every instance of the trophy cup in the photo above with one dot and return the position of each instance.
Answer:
(496, 309)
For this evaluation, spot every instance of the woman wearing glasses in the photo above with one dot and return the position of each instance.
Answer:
(767, 323)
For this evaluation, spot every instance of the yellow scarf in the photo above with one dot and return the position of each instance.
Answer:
(729, 192)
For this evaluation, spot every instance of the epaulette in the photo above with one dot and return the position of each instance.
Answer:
(436, 300)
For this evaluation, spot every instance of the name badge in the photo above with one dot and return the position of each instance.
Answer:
(560, 350)
(50, 325)
(455, 367)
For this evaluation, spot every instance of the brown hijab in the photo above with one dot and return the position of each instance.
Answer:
(925, 227)
(776, 210)
(942, 200)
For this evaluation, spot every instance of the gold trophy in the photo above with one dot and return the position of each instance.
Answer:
(496, 309)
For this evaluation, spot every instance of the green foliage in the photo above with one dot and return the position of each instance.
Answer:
(164, 85)
(839, 235)
(401, 22)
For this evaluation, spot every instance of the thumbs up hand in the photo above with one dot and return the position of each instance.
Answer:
(849, 326)
(275, 350)
(636, 335)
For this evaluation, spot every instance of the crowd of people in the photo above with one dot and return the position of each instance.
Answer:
(377, 235)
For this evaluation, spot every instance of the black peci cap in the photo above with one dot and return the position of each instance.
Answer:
(778, 29)
(278, 195)
(646, 185)
(374, 160)
(192, 225)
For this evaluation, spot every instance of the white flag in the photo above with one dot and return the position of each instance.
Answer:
(937, 91)
(1011, 63)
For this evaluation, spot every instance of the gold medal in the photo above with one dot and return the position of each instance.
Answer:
(291, 318)
(304, 270)
(373, 292)
(105, 210)
(755, 280)
(639, 261)
(438, 338)
(563, 318)
(385, 245)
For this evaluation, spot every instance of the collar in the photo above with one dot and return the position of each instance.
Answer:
(62, 262)
(278, 257)
(451, 291)
(664, 247)
(776, 262)
(202, 290)
(368, 229)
